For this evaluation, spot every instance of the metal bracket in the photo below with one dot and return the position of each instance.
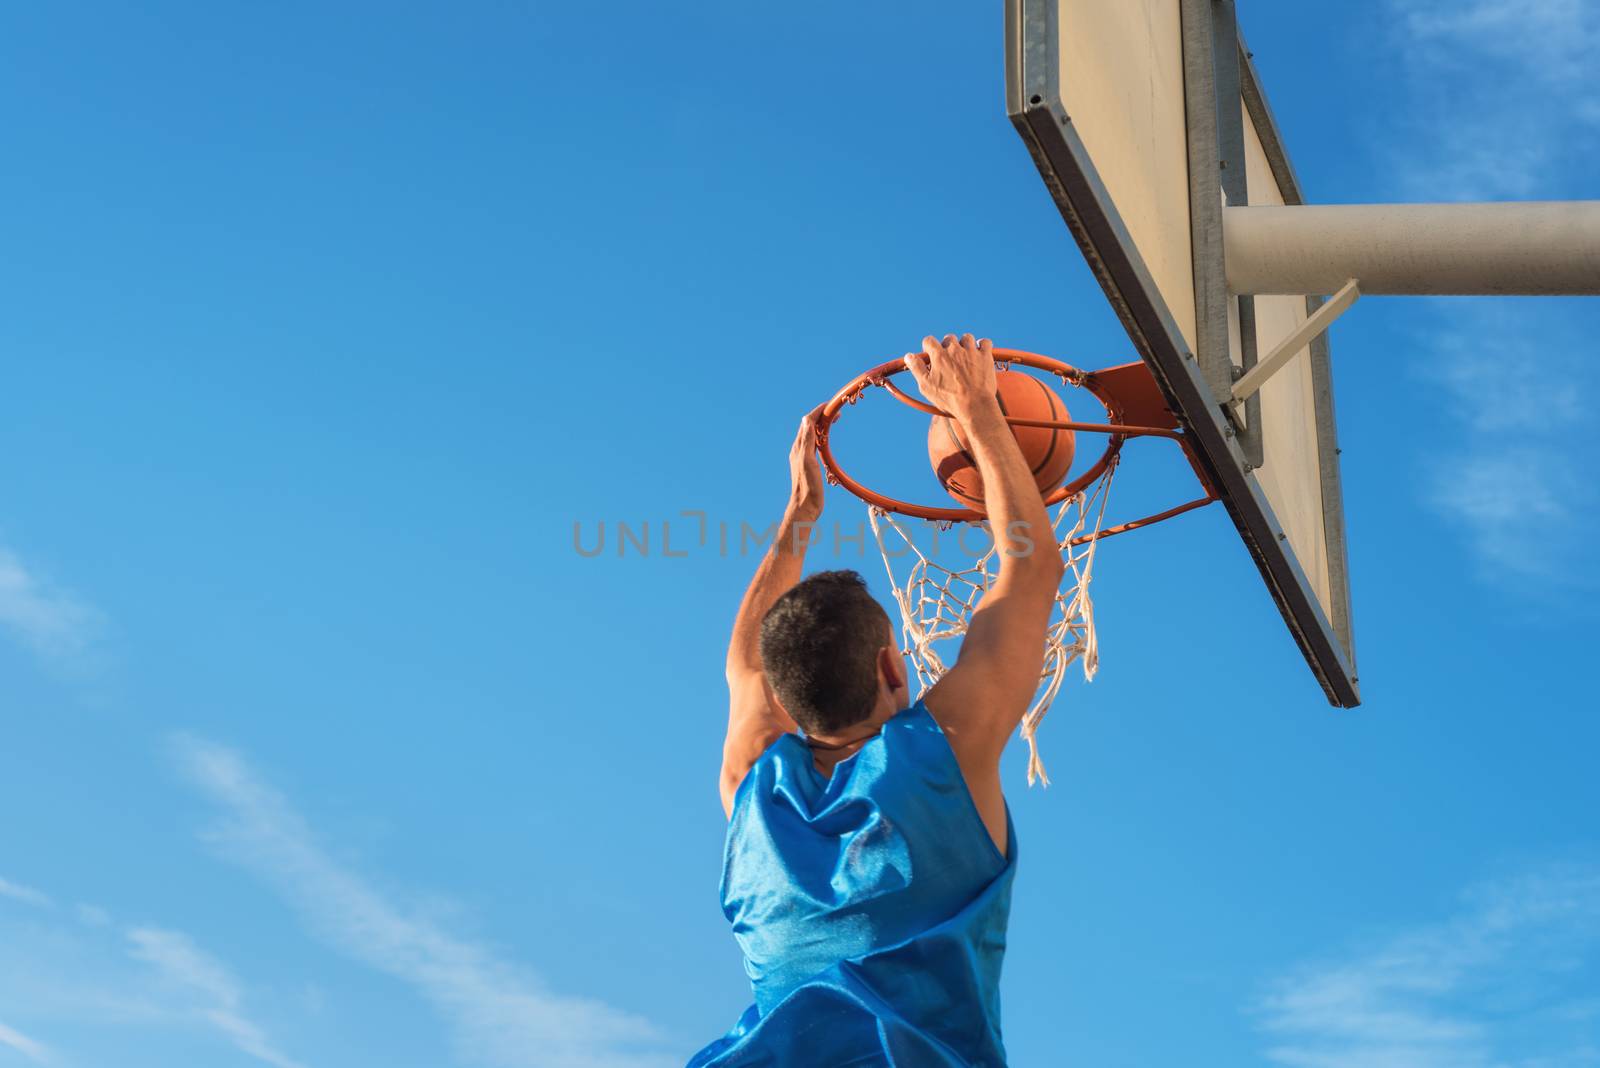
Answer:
(1318, 321)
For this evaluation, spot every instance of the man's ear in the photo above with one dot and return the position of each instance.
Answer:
(773, 704)
(892, 667)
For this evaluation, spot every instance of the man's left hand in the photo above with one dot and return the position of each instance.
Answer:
(805, 472)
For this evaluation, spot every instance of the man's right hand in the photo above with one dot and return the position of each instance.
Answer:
(955, 375)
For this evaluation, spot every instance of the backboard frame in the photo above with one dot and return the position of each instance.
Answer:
(1196, 380)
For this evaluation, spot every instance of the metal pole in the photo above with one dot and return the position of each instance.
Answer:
(1291, 346)
(1532, 248)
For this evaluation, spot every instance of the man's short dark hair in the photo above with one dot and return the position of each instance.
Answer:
(819, 647)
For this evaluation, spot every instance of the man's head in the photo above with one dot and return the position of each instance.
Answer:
(829, 653)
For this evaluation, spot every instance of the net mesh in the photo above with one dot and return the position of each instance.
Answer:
(936, 602)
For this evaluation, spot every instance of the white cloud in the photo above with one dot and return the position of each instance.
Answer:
(500, 1014)
(1554, 39)
(1499, 93)
(1508, 366)
(71, 977)
(1507, 981)
(1514, 473)
(78, 968)
(52, 622)
(25, 894)
(93, 915)
(1522, 513)
(11, 1038)
(1497, 99)
(178, 960)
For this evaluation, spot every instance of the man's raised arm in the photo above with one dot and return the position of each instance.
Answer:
(980, 701)
(754, 718)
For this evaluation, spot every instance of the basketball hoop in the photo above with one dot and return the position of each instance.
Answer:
(936, 602)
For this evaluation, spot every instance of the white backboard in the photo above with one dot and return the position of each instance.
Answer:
(1145, 117)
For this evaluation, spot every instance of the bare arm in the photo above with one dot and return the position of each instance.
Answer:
(754, 719)
(982, 698)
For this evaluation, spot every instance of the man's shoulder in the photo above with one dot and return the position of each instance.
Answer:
(778, 752)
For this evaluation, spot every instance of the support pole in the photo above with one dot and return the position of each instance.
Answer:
(1531, 248)
(1273, 362)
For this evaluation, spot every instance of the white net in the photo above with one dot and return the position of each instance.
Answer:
(936, 602)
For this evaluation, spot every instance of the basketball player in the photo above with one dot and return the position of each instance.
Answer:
(870, 853)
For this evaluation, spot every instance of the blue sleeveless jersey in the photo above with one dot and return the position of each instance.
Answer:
(871, 908)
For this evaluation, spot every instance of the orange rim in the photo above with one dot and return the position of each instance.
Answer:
(1118, 431)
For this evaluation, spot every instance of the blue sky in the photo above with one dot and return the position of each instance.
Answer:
(323, 747)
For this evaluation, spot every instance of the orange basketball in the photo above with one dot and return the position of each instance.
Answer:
(1047, 451)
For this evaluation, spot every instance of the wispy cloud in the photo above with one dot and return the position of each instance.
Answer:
(179, 961)
(11, 1038)
(81, 969)
(1515, 476)
(1507, 981)
(500, 1014)
(1500, 94)
(93, 915)
(50, 621)
(1497, 99)
(25, 894)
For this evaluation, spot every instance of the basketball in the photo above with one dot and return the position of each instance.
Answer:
(1048, 452)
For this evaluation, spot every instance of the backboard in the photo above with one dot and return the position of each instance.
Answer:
(1145, 119)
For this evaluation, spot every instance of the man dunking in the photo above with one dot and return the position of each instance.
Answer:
(870, 854)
